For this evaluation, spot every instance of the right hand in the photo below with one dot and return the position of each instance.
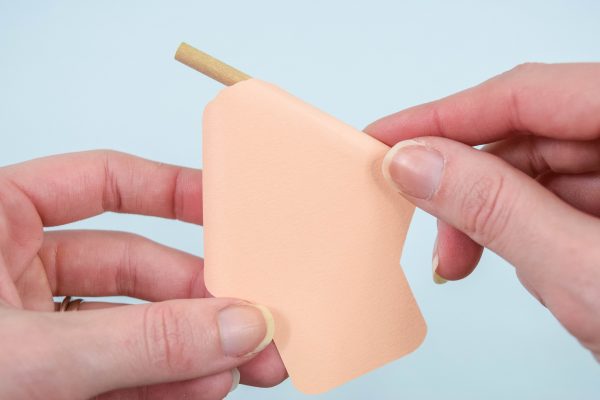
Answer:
(532, 195)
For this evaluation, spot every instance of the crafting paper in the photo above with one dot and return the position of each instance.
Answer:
(298, 218)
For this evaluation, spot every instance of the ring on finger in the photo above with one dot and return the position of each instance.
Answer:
(69, 305)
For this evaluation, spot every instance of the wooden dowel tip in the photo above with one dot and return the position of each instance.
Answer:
(209, 66)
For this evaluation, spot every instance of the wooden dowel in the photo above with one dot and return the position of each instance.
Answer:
(208, 65)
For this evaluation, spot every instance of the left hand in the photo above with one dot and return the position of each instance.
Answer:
(152, 351)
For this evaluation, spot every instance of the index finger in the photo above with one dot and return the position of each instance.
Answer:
(552, 100)
(70, 187)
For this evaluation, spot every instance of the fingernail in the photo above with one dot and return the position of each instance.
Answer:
(413, 169)
(435, 262)
(245, 329)
(235, 379)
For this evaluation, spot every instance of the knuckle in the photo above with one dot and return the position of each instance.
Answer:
(126, 276)
(117, 174)
(178, 200)
(168, 337)
(485, 210)
(112, 199)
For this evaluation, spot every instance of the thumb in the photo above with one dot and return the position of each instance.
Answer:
(148, 344)
(493, 203)
(552, 245)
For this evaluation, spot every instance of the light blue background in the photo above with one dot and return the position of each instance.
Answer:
(80, 75)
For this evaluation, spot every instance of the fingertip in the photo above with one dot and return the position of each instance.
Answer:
(264, 370)
(270, 327)
(388, 165)
(376, 126)
(455, 255)
(245, 329)
(399, 126)
(435, 263)
(235, 379)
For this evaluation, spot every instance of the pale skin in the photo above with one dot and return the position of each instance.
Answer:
(532, 196)
(166, 349)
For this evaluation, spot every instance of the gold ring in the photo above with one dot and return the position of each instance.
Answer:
(68, 305)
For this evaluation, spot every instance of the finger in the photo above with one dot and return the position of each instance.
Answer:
(501, 208)
(103, 263)
(74, 186)
(458, 254)
(581, 191)
(156, 343)
(213, 387)
(455, 254)
(536, 155)
(264, 370)
(553, 100)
